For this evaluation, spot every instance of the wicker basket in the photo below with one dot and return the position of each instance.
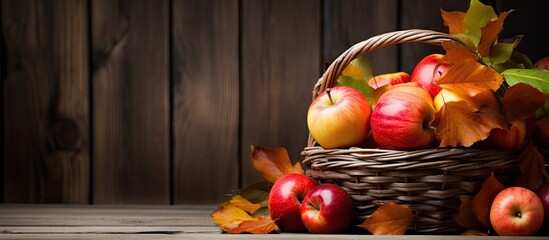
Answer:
(431, 182)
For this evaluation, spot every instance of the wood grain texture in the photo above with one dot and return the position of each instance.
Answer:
(418, 14)
(205, 100)
(281, 61)
(131, 139)
(349, 22)
(46, 101)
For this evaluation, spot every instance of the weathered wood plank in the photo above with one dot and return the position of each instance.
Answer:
(205, 100)
(349, 22)
(45, 95)
(131, 144)
(281, 61)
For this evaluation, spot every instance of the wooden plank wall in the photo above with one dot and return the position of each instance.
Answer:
(158, 101)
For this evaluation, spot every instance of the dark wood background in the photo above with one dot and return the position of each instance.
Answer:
(158, 101)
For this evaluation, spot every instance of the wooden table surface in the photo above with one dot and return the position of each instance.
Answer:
(137, 222)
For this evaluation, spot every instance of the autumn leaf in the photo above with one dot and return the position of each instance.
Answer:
(259, 225)
(472, 232)
(467, 217)
(482, 202)
(242, 203)
(228, 216)
(466, 75)
(489, 35)
(475, 125)
(476, 17)
(389, 219)
(454, 21)
(273, 163)
(532, 167)
(521, 101)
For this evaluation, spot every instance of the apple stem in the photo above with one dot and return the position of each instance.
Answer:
(329, 95)
(312, 205)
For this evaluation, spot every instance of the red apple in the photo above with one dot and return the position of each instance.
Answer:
(327, 209)
(508, 139)
(428, 71)
(543, 195)
(339, 118)
(542, 63)
(285, 199)
(516, 211)
(401, 120)
(388, 79)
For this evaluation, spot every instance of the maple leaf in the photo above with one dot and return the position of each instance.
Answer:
(490, 33)
(259, 225)
(532, 167)
(482, 202)
(466, 75)
(466, 216)
(475, 124)
(521, 101)
(389, 219)
(228, 216)
(273, 163)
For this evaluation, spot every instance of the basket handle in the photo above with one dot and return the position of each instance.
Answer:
(335, 69)
(329, 78)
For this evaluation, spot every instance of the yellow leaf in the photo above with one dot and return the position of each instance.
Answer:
(454, 21)
(228, 216)
(242, 203)
(259, 225)
(490, 34)
(353, 71)
(474, 125)
(273, 163)
(466, 75)
(389, 219)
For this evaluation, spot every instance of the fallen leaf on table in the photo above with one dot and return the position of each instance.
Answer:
(482, 202)
(389, 219)
(260, 225)
(273, 163)
(232, 219)
(242, 203)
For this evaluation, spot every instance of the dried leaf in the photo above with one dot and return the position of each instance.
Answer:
(273, 163)
(242, 203)
(472, 232)
(532, 167)
(490, 34)
(228, 216)
(259, 225)
(482, 202)
(257, 192)
(454, 21)
(467, 75)
(467, 217)
(389, 219)
(521, 101)
(475, 125)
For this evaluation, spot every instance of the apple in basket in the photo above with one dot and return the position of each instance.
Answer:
(516, 211)
(401, 119)
(285, 198)
(327, 209)
(508, 139)
(427, 71)
(339, 117)
(388, 79)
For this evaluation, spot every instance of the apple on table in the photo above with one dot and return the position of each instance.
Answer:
(327, 209)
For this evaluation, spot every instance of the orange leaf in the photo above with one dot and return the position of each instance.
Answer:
(259, 225)
(389, 219)
(467, 217)
(466, 75)
(475, 124)
(242, 203)
(228, 216)
(521, 101)
(454, 21)
(472, 232)
(532, 167)
(490, 34)
(482, 202)
(273, 162)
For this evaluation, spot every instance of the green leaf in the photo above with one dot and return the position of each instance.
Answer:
(358, 84)
(502, 52)
(476, 17)
(256, 192)
(534, 77)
